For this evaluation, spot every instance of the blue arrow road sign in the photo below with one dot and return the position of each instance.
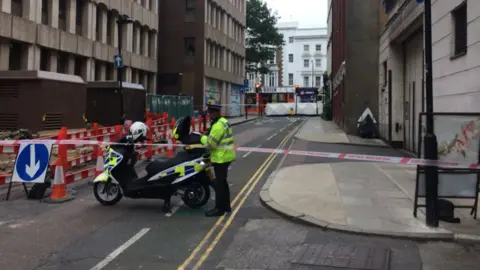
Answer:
(32, 163)
(118, 61)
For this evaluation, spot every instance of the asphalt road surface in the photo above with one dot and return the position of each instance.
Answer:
(136, 234)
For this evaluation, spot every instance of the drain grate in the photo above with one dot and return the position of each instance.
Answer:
(343, 256)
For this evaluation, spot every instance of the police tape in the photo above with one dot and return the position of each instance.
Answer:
(331, 155)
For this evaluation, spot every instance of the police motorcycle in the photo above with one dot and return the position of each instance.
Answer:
(189, 174)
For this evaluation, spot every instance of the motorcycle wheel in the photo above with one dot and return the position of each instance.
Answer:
(196, 194)
(111, 196)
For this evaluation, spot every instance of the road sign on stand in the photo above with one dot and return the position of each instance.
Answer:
(32, 163)
(118, 61)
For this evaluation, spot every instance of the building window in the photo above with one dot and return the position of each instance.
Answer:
(290, 78)
(189, 46)
(16, 53)
(306, 48)
(318, 62)
(62, 61)
(17, 8)
(290, 58)
(45, 12)
(79, 17)
(44, 59)
(305, 81)
(271, 80)
(290, 40)
(110, 28)
(459, 15)
(190, 4)
(272, 60)
(62, 15)
(318, 47)
(306, 63)
(317, 80)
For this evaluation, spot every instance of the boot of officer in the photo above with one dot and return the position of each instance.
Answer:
(219, 140)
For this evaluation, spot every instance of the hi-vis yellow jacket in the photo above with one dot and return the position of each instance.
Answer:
(220, 136)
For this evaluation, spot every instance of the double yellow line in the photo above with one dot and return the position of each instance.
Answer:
(252, 183)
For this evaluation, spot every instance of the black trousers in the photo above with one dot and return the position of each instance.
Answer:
(220, 185)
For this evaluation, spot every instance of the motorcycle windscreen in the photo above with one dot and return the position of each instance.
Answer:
(182, 128)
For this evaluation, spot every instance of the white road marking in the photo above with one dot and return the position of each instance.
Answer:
(283, 129)
(174, 209)
(269, 138)
(248, 153)
(120, 249)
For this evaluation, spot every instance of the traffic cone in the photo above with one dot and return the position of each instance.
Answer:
(170, 152)
(59, 189)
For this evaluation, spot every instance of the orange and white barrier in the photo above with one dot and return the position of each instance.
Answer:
(159, 128)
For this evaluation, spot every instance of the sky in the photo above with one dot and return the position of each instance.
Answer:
(309, 13)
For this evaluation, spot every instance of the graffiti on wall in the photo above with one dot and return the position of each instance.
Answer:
(458, 137)
(212, 92)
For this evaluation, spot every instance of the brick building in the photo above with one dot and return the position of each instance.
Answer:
(202, 51)
(353, 63)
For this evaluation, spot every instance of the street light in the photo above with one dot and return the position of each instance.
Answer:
(431, 144)
(122, 20)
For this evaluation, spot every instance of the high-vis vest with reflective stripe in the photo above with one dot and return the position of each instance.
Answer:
(221, 135)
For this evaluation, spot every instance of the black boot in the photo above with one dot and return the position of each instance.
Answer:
(214, 213)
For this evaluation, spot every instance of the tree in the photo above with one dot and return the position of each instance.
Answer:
(262, 38)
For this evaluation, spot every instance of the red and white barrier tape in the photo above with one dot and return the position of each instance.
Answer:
(347, 156)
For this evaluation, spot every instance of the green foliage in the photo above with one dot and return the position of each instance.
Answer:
(262, 38)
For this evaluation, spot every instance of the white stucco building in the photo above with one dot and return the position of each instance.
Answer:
(304, 55)
(456, 68)
(268, 81)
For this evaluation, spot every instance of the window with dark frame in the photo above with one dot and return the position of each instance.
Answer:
(290, 58)
(459, 15)
(17, 8)
(62, 15)
(45, 12)
(189, 46)
(190, 4)
(290, 78)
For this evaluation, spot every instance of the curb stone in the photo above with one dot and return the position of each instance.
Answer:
(347, 144)
(244, 121)
(295, 216)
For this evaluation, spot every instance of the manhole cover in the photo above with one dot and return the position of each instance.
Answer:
(343, 256)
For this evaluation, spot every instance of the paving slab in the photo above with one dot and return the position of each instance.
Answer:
(318, 130)
(355, 197)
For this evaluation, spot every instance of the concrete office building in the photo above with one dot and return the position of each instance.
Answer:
(353, 49)
(202, 51)
(304, 55)
(455, 49)
(80, 37)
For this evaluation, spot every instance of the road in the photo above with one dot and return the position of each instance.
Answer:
(136, 234)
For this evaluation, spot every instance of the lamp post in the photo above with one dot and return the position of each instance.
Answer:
(431, 144)
(122, 20)
(313, 74)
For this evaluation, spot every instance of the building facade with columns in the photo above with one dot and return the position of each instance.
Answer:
(80, 37)
(202, 51)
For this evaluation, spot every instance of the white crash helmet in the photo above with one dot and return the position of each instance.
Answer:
(138, 130)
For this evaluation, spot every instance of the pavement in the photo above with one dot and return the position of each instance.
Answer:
(135, 234)
(358, 197)
(318, 130)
